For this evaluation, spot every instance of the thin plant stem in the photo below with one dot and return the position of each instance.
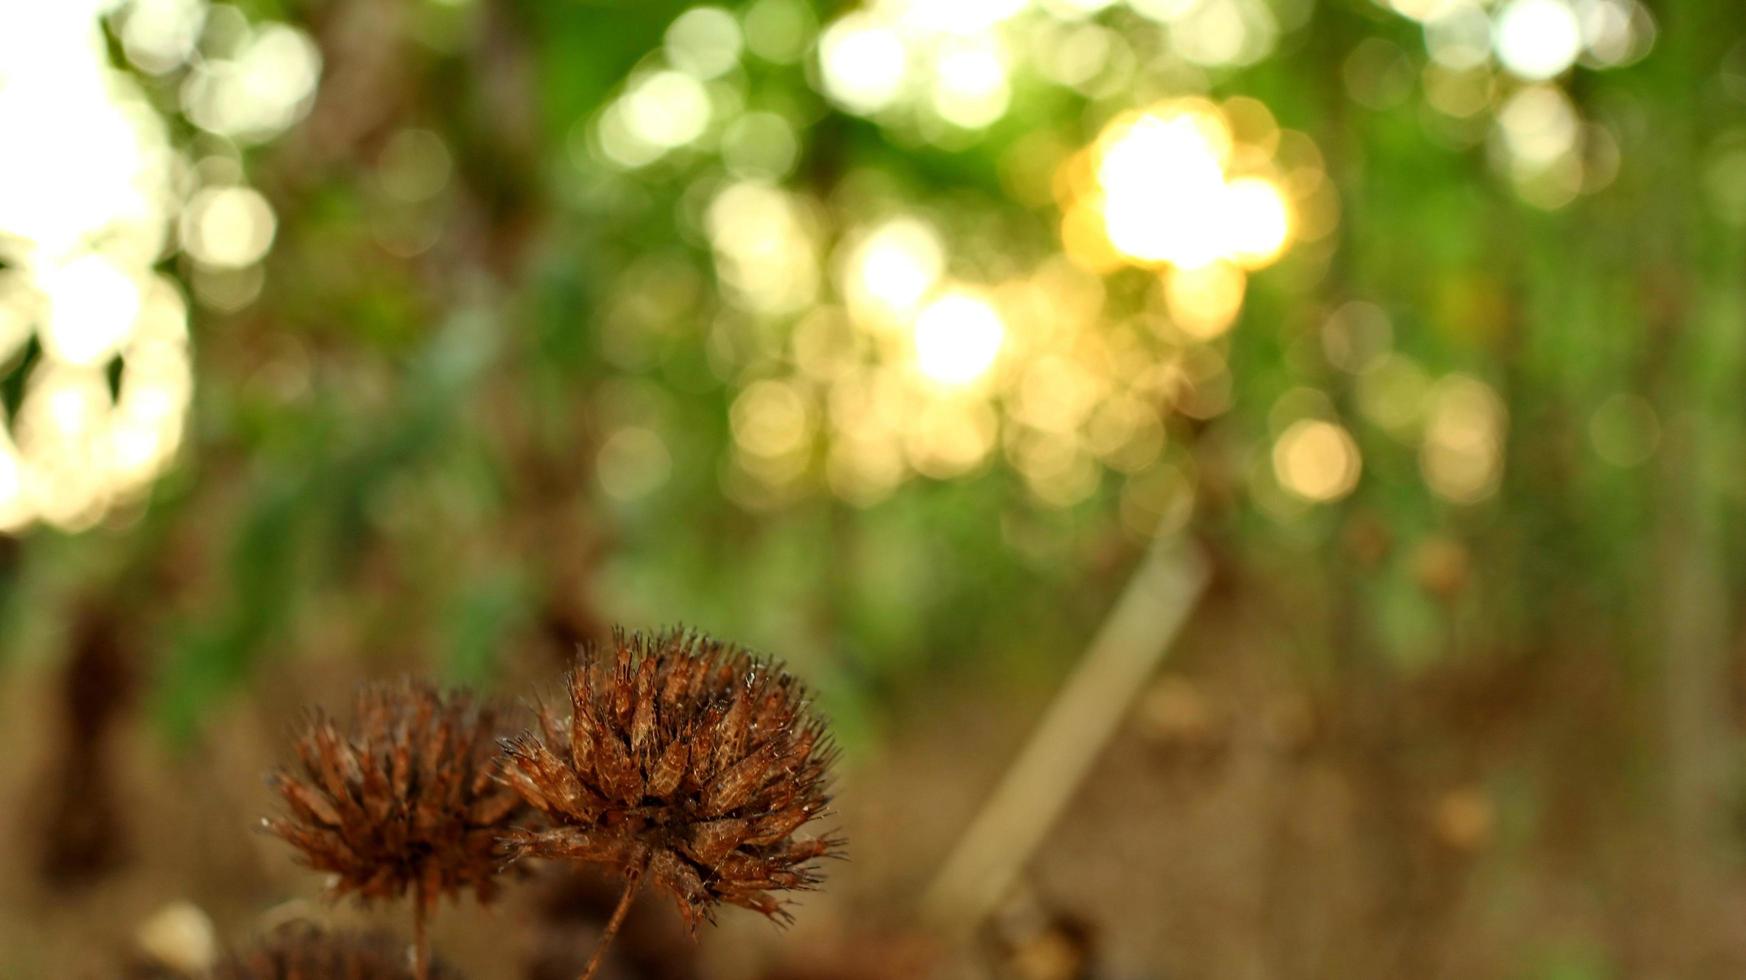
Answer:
(1015, 821)
(631, 880)
(420, 941)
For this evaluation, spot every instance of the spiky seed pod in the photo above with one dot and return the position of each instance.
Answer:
(301, 951)
(683, 759)
(406, 799)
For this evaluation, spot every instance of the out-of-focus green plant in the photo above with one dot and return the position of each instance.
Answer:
(886, 335)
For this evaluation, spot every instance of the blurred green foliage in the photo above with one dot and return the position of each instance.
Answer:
(394, 446)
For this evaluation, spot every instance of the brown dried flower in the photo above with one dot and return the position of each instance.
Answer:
(301, 951)
(407, 798)
(686, 760)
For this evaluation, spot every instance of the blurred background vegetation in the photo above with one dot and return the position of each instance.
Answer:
(348, 337)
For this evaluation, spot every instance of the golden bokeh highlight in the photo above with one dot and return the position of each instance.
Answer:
(1461, 456)
(958, 336)
(94, 198)
(944, 70)
(764, 245)
(1173, 185)
(1206, 193)
(868, 338)
(1316, 460)
(1204, 300)
(1510, 61)
(1160, 180)
(891, 270)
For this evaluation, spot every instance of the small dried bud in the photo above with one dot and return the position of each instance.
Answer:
(406, 799)
(684, 759)
(300, 951)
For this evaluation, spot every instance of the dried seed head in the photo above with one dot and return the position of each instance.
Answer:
(407, 798)
(300, 951)
(686, 758)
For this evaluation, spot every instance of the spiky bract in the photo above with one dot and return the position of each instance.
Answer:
(405, 799)
(683, 759)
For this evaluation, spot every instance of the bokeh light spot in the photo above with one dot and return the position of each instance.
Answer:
(1316, 460)
(1462, 453)
(414, 166)
(92, 306)
(892, 269)
(666, 109)
(227, 227)
(632, 463)
(958, 336)
(970, 85)
(864, 62)
(704, 42)
(1204, 300)
(1537, 39)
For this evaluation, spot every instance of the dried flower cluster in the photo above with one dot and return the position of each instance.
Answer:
(300, 951)
(406, 799)
(683, 759)
(684, 762)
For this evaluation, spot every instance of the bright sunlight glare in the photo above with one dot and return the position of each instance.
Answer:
(1166, 195)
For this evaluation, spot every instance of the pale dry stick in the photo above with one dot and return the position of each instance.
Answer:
(1134, 637)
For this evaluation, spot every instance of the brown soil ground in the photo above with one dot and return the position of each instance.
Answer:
(1487, 820)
